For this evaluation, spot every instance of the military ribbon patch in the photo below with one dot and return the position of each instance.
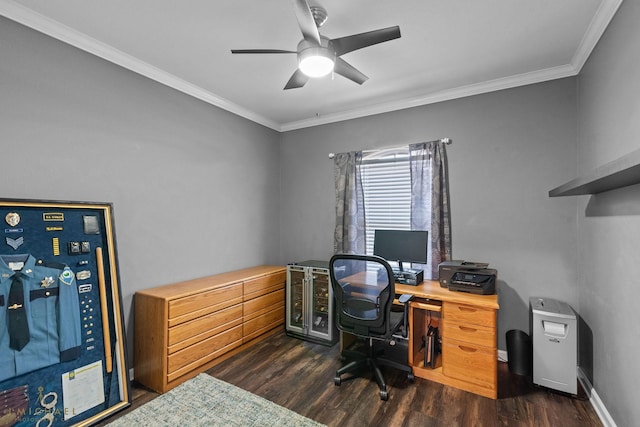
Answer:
(15, 243)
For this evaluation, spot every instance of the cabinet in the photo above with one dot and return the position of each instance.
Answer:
(309, 308)
(468, 330)
(185, 328)
(469, 347)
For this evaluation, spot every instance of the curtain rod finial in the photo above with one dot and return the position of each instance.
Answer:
(331, 155)
(446, 141)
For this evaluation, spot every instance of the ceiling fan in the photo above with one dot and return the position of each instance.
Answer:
(319, 55)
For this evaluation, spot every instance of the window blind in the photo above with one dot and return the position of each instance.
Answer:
(386, 181)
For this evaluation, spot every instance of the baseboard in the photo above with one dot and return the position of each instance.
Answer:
(595, 401)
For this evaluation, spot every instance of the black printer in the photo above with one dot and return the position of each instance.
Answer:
(467, 276)
(447, 269)
(481, 282)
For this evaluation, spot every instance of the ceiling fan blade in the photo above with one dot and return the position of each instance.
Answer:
(298, 79)
(348, 71)
(261, 51)
(306, 22)
(347, 44)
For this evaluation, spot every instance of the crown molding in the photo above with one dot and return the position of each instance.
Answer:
(38, 22)
(598, 25)
(55, 29)
(432, 98)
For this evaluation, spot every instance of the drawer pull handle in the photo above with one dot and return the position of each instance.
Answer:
(466, 329)
(467, 309)
(467, 349)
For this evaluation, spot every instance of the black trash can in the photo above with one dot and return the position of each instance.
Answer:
(519, 352)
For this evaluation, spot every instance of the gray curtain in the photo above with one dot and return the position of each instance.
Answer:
(430, 200)
(349, 236)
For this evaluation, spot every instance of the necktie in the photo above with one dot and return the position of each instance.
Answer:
(17, 315)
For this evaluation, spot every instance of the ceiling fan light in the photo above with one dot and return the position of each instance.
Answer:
(315, 62)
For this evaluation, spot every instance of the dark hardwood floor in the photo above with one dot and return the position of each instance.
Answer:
(299, 375)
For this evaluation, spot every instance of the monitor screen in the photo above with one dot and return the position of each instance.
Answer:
(401, 245)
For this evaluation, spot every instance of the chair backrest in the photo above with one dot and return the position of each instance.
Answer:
(363, 287)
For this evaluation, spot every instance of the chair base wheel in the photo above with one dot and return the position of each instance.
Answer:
(411, 377)
(337, 380)
(384, 395)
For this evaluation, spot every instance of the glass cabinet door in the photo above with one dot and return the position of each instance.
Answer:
(296, 293)
(321, 303)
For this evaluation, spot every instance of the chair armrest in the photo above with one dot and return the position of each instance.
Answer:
(404, 299)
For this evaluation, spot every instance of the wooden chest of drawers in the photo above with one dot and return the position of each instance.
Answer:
(185, 328)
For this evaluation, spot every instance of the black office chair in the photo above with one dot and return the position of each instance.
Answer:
(364, 290)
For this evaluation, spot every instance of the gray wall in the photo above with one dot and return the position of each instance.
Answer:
(195, 189)
(509, 149)
(609, 223)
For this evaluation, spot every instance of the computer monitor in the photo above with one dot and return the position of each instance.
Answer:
(401, 246)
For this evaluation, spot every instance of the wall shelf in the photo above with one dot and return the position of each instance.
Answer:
(616, 174)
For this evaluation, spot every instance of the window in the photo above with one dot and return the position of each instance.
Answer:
(386, 182)
(400, 188)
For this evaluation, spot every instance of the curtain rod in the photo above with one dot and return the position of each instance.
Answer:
(447, 141)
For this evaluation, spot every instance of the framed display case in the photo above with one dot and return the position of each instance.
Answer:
(62, 344)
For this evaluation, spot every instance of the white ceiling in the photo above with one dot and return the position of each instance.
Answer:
(448, 49)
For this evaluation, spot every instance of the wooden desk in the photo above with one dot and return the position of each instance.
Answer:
(431, 289)
(468, 328)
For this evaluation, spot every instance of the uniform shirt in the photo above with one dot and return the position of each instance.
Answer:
(53, 312)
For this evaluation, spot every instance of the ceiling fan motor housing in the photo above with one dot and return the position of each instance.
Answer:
(319, 14)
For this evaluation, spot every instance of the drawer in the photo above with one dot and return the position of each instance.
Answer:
(470, 363)
(475, 334)
(203, 327)
(466, 314)
(204, 351)
(263, 323)
(264, 284)
(209, 301)
(262, 304)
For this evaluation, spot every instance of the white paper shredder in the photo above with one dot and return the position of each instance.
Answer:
(554, 334)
